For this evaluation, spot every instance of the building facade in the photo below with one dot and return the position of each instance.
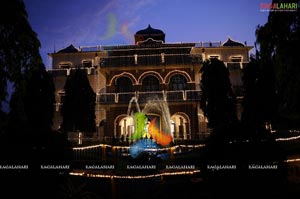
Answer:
(128, 78)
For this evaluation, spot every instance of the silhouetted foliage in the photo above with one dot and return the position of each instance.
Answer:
(217, 102)
(29, 135)
(279, 43)
(32, 101)
(26, 134)
(39, 99)
(241, 148)
(260, 100)
(19, 46)
(19, 56)
(79, 105)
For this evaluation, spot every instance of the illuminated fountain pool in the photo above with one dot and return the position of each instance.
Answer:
(151, 127)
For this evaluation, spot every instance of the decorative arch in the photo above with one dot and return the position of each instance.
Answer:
(175, 72)
(183, 115)
(126, 74)
(181, 126)
(153, 73)
(116, 123)
(123, 127)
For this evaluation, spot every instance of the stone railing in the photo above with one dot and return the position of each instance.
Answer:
(143, 97)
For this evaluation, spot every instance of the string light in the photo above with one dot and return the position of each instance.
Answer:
(167, 148)
(170, 149)
(127, 147)
(294, 131)
(159, 175)
(287, 139)
(293, 160)
(90, 147)
(135, 177)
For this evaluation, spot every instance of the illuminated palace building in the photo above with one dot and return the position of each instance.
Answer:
(149, 69)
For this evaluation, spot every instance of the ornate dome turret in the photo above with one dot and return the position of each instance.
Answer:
(149, 32)
(69, 49)
(231, 42)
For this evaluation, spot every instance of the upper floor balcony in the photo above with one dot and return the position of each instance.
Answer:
(143, 97)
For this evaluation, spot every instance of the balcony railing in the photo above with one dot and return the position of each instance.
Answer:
(193, 95)
(107, 98)
(143, 97)
(125, 97)
(175, 95)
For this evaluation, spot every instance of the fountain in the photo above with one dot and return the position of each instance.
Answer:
(160, 108)
(151, 126)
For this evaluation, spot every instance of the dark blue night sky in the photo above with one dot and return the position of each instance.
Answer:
(59, 23)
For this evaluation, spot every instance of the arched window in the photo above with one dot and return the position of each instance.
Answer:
(150, 83)
(124, 84)
(126, 126)
(180, 127)
(177, 82)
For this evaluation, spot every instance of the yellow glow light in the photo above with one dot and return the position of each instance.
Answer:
(286, 139)
(134, 177)
(293, 160)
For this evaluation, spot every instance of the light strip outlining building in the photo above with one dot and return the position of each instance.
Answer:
(148, 69)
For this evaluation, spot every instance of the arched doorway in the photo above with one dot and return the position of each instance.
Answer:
(124, 127)
(180, 126)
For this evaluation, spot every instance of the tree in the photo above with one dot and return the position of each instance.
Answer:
(32, 105)
(279, 43)
(19, 56)
(232, 143)
(79, 105)
(260, 100)
(217, 102)
(19, 46)
(21, 64)
(28, 135)
(39, 100)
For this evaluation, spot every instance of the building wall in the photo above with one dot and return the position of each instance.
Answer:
(226, 53)
(76, 58)
(102, 80)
